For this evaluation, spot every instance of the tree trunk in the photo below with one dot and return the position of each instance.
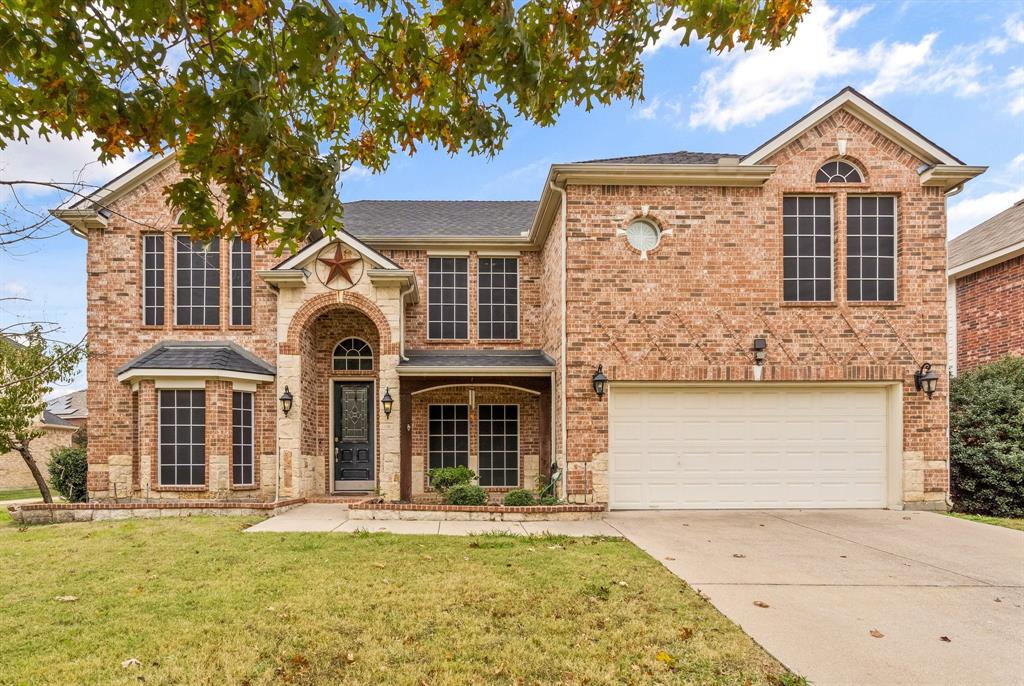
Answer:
(26, 455)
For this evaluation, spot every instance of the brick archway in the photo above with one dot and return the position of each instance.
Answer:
(325, 302)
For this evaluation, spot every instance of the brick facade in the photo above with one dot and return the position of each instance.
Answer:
(688, 313)
(990, 314)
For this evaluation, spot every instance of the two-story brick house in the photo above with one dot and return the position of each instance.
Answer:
(759, 318)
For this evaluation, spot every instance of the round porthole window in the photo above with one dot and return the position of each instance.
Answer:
(643, 235)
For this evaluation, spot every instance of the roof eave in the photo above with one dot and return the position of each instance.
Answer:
(985, 261)
(949, 176)
(81, 221)
(139, 373)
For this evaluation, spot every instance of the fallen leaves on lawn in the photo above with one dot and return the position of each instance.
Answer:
(379, 565)
(350, 658)
(876, 633)
(761, 603)
(66, 598)
(665, 658)
(131, 662)
(686, 633)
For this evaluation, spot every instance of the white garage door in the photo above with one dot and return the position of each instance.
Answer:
(747, 447)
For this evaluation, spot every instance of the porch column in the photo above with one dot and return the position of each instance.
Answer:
(405, 465)
(289, 429)
(544, 412)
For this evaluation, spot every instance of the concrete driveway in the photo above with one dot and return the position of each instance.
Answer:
(830, 578)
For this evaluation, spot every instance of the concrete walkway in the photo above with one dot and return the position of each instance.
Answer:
(945, 596)
(319, 517)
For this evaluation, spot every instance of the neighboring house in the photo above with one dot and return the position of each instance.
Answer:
(56, 433)
(71, 408)
(487, 323)
(986, 291)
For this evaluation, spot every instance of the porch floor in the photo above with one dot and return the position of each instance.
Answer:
(316, 517)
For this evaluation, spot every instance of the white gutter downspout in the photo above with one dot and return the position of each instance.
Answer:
(565, 344)
(401, 320)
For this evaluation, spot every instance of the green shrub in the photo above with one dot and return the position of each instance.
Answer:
(520, 497)
(465, 494)
(986, 449)
(443, 478)
(68, 470)
(548, 500)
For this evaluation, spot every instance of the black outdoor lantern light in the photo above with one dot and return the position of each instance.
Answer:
(286, 401)
(760, 347)
(599, 380)
(387, 402)
(925, 379)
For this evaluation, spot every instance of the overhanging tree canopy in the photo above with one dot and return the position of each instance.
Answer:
(270, 100)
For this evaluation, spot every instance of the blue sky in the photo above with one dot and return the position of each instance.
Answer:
(952, 70)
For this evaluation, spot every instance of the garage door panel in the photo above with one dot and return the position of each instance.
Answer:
(734, 447)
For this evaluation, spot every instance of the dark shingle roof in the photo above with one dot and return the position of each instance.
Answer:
(678, 157)
(216, 355)
(477, 358)
(368, 219)
(994, 234)
(70, 405)
(50, 419)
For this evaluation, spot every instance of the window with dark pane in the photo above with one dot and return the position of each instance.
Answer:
(448, 436)
(242, 463)
(182, 427)
(498, 298)
(871, 248)
(241, 282)
(153, 279)
(838, 171)
(807, 248)
(353, 354)
(197, 270)
(499, 445)
(448, 298)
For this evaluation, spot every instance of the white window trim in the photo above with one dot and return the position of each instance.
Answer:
(469, 314)
(519, 287)
(860, 172)
(334, 356)
(519, 442)
(831, 246)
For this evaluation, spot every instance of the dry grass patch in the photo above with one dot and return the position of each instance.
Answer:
(194, 600)
(1008, 522)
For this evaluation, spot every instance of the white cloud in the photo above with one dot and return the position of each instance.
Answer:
(896, 63)
(1014, 26)
(58, 160)
(13, 289)
(1017, 105)
(970, 212)
(650, 110)
(746, 87)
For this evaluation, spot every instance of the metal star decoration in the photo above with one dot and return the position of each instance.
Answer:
(339, 266)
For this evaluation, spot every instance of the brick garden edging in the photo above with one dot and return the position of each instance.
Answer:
(57, 513)
(479, 513)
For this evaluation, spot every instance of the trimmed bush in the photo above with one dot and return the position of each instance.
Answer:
(68, 470)
(549, 500)
(443, 478)
(986, 449)
(465, 494)
(520, 497)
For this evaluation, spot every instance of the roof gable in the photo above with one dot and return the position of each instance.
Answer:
(994, 240)
(863, 108)
(310, 251)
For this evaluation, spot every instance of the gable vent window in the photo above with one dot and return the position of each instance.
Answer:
(498, 298)
(197, 271)
(352, 354)
(153, 280)
(182, 438)
(871, 248)
(241, 282)
(448, 298)
(448, 436)
(838, 171)
(807, 248)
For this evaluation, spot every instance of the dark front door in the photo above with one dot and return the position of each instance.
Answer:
(353, 436)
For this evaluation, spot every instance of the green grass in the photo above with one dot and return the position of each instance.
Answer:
(1008, 522)
(197, 601)
(20, 494)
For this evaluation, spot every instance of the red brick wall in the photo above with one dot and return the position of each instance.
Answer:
(529, 423)
(115, 325)
(990, 314)
(691, 311)
(530, 294)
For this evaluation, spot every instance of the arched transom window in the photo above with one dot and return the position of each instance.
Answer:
(838, 171)
(353, 354)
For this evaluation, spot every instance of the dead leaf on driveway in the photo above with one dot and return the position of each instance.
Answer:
(669, 557)
(945, 639)
(761, 603)
(66, 598)
(876, 633)
(738, 555)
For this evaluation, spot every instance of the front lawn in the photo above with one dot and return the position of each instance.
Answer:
(20, 494)
(1008, 522)
(195, 600)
